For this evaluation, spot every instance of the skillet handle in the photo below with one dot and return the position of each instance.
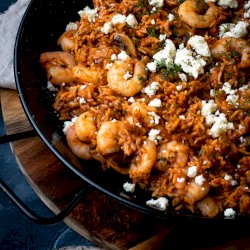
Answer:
(37, 218)
(19, 203)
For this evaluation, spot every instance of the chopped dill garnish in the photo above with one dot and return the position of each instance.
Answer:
(153, 32)
(171, 70)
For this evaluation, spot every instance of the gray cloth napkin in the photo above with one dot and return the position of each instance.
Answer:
(9, 23)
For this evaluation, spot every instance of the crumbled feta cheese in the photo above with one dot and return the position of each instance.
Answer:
(212, 92)
(229, 212)
(82, 87)
(199, 44)
(171, 17)
(118, 19)
(243, 88)
(153, 10)
(107, 28)
(242, 139)
(156, 118)
(227, 88)
(162, 37)
(208, 108)
(180, 179)
(178, 87)
(155, 103)
(129, 187)
(151, 89)
(189, 64)
(233, 30)
(228, 177)
(131, 20)
(153, 22)
(233, 99)
(127, 75)
(183, 77)
(82, 100)
(138, 125)
(167, 54)
(156, 3)
(68, 124)
(151, 66)
(91, 14)
(71, 26)
(122, 56)
(131, 99)
(199, 180)
(182, 117)
(51, 87)
(247, 8)
(154, 135)
(108, 65)
(160, 203)
(192, 171)
(228, 3)
(220, 125)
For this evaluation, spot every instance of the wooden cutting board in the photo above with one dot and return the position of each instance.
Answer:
(97, 217)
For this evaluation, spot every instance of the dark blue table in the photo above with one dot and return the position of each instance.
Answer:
(16, 231)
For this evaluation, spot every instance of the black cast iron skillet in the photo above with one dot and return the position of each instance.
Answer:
(42, 24)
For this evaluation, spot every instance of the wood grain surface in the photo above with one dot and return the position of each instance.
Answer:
(97, 217)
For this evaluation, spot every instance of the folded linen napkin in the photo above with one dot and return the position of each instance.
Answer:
(9, 23)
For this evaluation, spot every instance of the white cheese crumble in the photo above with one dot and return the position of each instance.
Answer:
(152, 22)
(208, 108)
(155, 103)
(127, 75)
(113, 57)
(131, 99)
(129, 187)
(229, 212)
(199, 180)
(238, 30)
(178, 87)
(160, 203)
(122, 56)
(151, 89)
(167, 54)
(180, 179)
(162, 37)
(131, 20)
(156, 3)
(154, 135)
(119, 19)
(182, 117)
(189, 64)
(51, 87)
(155, 118)
(247, 8)
(171, 17)
(232, 98)
(108, 65)
(183, 77)
(91, 14)
(68, 124)
(82, 100)
(152, 66)
(220, 125)
(243, 88)
(212, 92)
(199, 44)
(192, 172)
(107, 28)
(71, 26)
(228, 3)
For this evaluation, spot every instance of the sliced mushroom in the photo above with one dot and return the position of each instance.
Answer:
(126, 42)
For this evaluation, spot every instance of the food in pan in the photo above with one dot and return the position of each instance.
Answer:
(159, 91)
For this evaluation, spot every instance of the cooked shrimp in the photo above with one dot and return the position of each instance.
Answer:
(173, 154)
(117, 77)
(196, 192)
(86, 74)
(79, 148)
(58, 65)
(188, 13)
(143, 163)
(108, 136)
(66, 40)
(208, 207)
(85, 128)
(226, 47)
